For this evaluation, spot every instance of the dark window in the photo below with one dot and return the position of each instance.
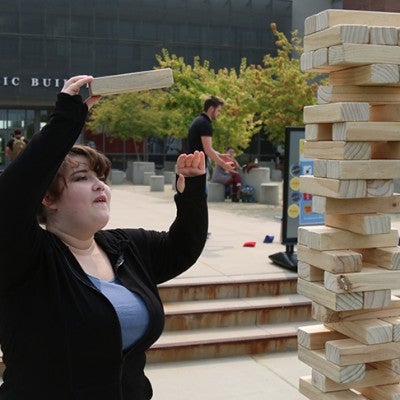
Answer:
(9, 22)
(32, 23)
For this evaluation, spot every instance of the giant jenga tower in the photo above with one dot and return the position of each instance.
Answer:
(349, 266)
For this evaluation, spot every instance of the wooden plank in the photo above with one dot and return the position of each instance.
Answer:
(331, 17)
(384, 257)
(341, 374)
(315, 336)
(366, 131)
(367, 331)
(355, 188)
(363, 169)
(307, 389)
(320, 168)
(350, 351)
(328, 205)
(322, 237)
(375, 374)
(365, 224)
(395, 321)
(310, 24)
(317, 61)
(385, 35)
(336, 112)
(382, 392)
(376, 298)
(335, 35)
(393, 365)
(337, 150)
(335, 261)
(132, 82)
(372, 94)
(318, 132)
(350, 54)
(385, 150)
(306, 61)
(385, 113)
(366, 75)
(316, 291)
(309, 272)
(370, 278)
(323, 314)
(380, 188)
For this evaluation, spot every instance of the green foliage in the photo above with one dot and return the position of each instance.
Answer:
(279, 89)
(268, 97)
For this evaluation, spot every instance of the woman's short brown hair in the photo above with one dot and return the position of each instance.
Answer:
(98, 162)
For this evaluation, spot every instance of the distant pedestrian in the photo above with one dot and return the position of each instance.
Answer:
(201, 132)
(15, 145)
(230, 179)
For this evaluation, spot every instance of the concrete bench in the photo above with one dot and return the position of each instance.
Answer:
(269, 193)
(169, 176)
(117, 177)
(156, 183)
(216, 191)
(255, 178)
(146, 177)
(136, 169)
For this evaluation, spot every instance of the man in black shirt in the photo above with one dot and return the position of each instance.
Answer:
(200, 132)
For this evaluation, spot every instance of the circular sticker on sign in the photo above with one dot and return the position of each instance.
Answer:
(294, 184)
(307, 208)
(295, 197)
(293, 211)
(295, 170)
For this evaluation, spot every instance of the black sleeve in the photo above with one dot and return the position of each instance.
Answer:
(168, 254)
(24, 182)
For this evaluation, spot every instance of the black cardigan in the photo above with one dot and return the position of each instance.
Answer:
(59, 335)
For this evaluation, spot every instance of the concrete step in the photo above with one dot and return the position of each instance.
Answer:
(224, 316)
(247, 311)
(224, 342)
(222, 287)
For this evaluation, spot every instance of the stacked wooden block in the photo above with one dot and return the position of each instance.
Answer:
(349, 266)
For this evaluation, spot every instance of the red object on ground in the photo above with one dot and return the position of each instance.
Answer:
(249, 244)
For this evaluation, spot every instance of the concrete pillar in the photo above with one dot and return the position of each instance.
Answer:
(216, 192)
(255, 178)
(169, 176)
(146, 177)
(117, 177)
(139, 168)
(156, 183)
(269, 193)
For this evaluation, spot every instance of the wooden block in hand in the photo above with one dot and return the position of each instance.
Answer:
(132, 82)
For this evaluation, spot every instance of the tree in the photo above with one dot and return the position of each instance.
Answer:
(193, 84)
(128, 116)
(268, 97)
(279, 89)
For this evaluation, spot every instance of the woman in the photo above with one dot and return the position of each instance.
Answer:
(231, 179)
(79, 305)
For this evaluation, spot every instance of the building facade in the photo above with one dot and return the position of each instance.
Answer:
(43, 42)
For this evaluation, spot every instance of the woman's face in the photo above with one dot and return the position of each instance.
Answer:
(84, 204)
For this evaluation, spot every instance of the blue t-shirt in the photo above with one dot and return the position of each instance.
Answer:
(131, 310)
